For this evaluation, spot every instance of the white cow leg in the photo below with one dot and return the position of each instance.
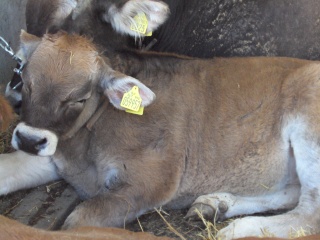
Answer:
(19, 170)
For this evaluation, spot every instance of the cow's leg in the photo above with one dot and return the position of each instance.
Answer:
(306, 215)
(112, 210)
(220, 206)
(19, 170)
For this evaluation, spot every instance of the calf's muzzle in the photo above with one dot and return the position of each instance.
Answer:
(34, 140)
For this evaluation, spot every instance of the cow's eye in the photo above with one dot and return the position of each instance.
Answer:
(82, 101)
(77, 104)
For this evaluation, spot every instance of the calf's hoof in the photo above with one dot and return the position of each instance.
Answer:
(211, 214)
(211, 206)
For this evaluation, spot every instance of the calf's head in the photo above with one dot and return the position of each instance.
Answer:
(64, 79)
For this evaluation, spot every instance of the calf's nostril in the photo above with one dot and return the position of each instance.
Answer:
(18, 104)
(41, 143)
(18, 136)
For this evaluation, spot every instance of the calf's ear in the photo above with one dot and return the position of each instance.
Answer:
(116, 84)
(122, 17)
(28, 43)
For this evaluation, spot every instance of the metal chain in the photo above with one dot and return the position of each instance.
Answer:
(5, 46)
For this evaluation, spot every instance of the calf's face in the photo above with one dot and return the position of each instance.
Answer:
(64, 79)
(57, 82)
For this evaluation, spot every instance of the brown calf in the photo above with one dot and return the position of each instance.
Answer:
(6, 114)
(229, 136)
(10, 229)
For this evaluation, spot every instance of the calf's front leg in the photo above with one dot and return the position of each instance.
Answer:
(122, 203)
(106, 210)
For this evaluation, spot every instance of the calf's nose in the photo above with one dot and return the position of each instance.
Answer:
(30, 144)
(34, 140)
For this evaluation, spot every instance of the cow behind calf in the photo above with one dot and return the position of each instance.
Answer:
(234, 136)
(204, 28)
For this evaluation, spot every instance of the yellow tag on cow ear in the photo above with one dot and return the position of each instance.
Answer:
(140, 24)
(149, 34)
(131, 100)
(139, 112)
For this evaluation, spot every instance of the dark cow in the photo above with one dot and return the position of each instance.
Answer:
(196, 28)
(233, 136)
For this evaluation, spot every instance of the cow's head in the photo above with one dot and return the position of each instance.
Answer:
(107, 21)
(64, 78)
(76, 15)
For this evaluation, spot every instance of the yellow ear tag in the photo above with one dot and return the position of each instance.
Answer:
(139, 112)
(140, 24)
(131, 101)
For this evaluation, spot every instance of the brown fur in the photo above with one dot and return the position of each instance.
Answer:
(13, 230)
(6, 114)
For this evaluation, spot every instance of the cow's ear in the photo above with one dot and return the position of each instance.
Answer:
(122, 17)
(28, 43)
(116, 84)
(51, 15)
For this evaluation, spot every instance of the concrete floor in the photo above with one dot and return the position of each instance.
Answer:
(44, 207)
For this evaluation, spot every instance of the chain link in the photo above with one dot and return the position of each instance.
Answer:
(5, 46)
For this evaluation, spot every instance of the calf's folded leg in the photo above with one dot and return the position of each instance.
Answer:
(305, 217)
(220, 206)
(103, 211)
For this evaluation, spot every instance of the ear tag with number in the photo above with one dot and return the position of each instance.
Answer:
(131, 101)
(140, 24)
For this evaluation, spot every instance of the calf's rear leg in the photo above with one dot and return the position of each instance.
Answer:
(221, 206)
(302, 137)
(306, 215)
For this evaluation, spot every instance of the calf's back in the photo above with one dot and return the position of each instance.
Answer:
(214, 124)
